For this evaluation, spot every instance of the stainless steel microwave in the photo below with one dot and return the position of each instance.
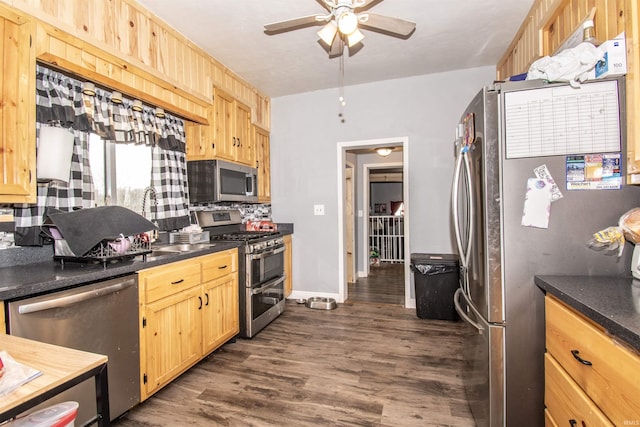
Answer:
(213, 181)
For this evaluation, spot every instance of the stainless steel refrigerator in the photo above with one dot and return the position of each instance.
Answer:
(507, 133)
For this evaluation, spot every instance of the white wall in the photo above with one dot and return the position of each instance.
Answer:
(305, 130)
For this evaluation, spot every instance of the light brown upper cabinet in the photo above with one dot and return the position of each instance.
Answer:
(17, 109)
(199, 139)
(261, 145)
(550, 23)
(232, 129)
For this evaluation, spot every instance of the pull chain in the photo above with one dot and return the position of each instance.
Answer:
(341, 83)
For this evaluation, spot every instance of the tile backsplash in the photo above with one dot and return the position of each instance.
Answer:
(249, 212)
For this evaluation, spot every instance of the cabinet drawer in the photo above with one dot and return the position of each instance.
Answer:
(167, 280)
(548, 419)
(219, 264)
(611, 379)
(566, 401)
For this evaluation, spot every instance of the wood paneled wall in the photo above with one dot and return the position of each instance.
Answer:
(141, 48)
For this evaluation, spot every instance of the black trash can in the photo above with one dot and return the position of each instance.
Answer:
(436, 280)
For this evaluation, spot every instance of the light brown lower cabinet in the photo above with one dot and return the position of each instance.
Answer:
(3, 326)
(288, 267)
(590, 378)
(187, 309)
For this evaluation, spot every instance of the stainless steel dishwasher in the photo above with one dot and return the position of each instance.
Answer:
(100, 318)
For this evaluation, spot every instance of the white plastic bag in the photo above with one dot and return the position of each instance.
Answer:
(570, 65)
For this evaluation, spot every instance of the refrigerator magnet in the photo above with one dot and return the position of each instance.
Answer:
(537, 203)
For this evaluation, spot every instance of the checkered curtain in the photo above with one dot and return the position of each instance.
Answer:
(60, 99)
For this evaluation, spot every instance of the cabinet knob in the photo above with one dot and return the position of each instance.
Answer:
(234, 141)
(573, 423)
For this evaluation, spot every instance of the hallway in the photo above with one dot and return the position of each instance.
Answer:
(385, 285)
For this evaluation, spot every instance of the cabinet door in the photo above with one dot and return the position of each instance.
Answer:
(261, 148)
(17, 109)
(223, 106)
(288, 268)
(172, 330)
(199, 138)
(243, 138)
(221, 320)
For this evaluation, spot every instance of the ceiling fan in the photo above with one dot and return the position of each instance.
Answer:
(343, 22)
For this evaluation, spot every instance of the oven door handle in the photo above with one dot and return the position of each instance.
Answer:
(270, 284)
(267, 253)
(75, 298)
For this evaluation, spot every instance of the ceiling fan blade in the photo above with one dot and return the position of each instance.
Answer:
(324, 4)
(387, 25)
(367, 5)
(293, 24)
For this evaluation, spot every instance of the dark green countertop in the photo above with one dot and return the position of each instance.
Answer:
(612, 302)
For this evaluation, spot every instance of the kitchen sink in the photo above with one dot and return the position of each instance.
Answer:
(180, 248)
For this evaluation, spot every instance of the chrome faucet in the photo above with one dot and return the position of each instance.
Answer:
(154, 199)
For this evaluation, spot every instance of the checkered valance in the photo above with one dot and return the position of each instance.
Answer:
(60, 100)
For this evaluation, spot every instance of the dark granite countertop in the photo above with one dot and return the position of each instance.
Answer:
(612, 302)
(32, 279)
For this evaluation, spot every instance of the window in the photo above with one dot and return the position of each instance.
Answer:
(121, 173)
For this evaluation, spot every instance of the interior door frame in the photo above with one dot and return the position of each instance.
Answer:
(341, 149)
(366, 197)
(351, 184)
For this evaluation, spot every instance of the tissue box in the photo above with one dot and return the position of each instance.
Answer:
(614, 61)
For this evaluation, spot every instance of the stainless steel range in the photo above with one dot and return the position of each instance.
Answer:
(261, 267)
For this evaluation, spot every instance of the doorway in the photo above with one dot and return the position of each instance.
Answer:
(361, 158)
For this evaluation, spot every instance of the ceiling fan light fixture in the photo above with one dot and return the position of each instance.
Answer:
(384, 152)
(355, 38)
(347, 23)
(328, 33)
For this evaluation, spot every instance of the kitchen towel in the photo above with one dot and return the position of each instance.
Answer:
(85, 228)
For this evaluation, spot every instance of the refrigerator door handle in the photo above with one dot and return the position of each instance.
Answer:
(456, 303)
(465, 253)
(469, 183)
(454, 207)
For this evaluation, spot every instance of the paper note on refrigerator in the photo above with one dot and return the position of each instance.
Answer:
(537, 203)
(560, 120)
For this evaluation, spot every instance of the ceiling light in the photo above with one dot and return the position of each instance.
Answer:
(328, 33)
(347, 23)
(384, 152)
(355, 38)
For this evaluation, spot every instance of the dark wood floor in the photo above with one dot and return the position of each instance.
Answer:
(358, 365)
(385, 284)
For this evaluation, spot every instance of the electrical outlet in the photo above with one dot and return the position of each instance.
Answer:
(318, 209)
